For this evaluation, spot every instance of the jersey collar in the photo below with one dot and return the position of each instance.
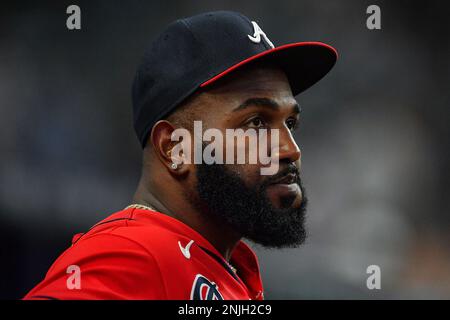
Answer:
(242, 258)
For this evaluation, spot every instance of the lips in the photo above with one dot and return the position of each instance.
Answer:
(284, 189)
(287, 179)
(285, 192)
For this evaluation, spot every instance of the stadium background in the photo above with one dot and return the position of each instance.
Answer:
(374, 137)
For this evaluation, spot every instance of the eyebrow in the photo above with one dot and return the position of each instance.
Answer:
(264, 102)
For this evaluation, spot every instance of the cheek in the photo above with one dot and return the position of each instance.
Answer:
(250, 174)
(244, 150)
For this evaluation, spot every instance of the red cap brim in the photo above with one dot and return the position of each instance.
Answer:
(304, 63)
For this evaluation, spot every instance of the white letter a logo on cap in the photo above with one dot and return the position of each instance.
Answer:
(256, 38)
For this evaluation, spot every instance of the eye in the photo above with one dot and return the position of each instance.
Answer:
(291, 123)
(256, 122)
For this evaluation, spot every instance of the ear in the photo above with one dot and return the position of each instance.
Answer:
(163, 145)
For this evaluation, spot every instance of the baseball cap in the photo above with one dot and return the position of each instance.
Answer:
(197, 51)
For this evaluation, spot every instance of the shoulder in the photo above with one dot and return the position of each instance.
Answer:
(119, 258)
(106, 266)
(126, 235)
(150, 231)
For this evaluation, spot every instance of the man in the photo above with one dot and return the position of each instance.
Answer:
(182, 236)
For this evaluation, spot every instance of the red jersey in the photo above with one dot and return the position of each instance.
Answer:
(142, 254)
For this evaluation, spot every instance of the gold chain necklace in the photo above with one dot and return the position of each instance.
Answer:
(140, 206)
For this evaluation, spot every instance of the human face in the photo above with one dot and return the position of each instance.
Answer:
(269, 210)
(259, 98)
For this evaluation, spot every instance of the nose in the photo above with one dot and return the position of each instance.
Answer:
(288, 150)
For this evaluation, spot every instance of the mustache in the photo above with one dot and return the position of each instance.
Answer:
(289, 169)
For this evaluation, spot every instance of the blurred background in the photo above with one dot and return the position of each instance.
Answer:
(374, 136)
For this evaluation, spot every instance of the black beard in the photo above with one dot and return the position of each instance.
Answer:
(249, 210)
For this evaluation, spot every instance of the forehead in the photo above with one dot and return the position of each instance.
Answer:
(255, 82)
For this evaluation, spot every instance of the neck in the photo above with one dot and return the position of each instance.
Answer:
(224, 239)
